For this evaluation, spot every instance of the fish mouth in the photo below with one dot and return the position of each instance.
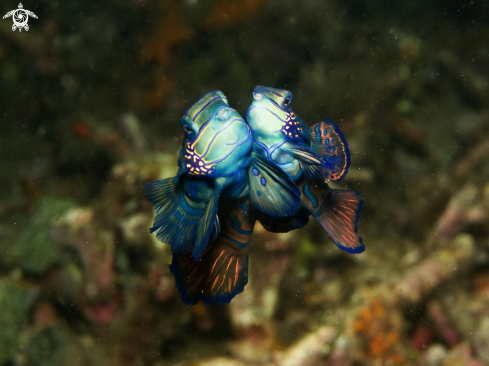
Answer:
(195, 165)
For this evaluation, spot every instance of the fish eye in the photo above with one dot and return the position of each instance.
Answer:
(287, 102)
(223, 113)
(187, 129)
(257, 96)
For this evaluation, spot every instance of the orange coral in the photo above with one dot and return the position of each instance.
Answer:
(171, 31)
(481, 284)
(380, 327)
(175, 29)
(226, 12)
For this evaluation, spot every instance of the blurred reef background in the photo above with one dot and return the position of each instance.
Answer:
(90, 103)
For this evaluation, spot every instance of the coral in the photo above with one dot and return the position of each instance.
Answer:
(172, 30)
(91, 98)
(481, 340)
(421, 279)
(462, 355)
(422, 337)
(132, 127)
(36, 250)
(433, 356)
(79, 229)
(380, 329)
(13, 318)
(226, 12)
(220, 361)
(445, 329)
(47, 348)
(309, 350)
(468, 206)
(469, 162)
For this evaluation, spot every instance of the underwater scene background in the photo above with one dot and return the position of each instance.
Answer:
(91, 98)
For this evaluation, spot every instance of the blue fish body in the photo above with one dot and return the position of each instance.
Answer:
(204, 212)
(281, 136)
(214, 158)
(233, 172)
(306, 156)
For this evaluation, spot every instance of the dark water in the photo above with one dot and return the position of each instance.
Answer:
(90, 101)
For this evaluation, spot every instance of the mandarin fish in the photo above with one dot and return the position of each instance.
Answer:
(307, 156)
(281, 145)
(213, 161)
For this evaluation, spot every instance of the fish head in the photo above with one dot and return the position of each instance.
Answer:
(218, 140)
(270, 112)
(201, 112)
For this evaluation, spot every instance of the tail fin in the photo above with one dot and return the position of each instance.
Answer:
(338, 216)
(222, 271)
(180, 222)
(330, 144)
(189, 275)
(219, 275)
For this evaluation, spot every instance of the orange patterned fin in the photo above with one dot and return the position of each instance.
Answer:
(330, 144)
(228, 274)
(338, 216)
(222, 270)
(219, 275)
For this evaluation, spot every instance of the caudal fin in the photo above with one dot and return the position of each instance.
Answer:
(338, 216)
(219, 275)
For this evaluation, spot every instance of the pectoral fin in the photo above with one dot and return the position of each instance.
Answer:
(175, 219)
(271, 190)
(313, 166)
(182, 222)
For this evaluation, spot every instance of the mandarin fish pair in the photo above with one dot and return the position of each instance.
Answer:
(232, 172)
